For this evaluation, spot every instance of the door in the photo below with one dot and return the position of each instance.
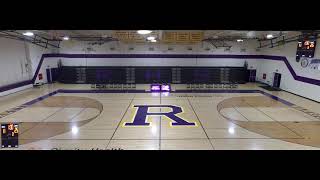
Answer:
(252, 75)
(49, 76)
(276, 80)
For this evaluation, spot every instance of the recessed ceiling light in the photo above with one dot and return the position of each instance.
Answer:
(153, 40)
(269, 36)
(28, 33)
(239, 40)
(150, 38)
(144, 32)
(66, 38)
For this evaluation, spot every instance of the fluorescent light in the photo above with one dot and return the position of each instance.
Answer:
(28, 33)
(239, 40)
(269, 36)
(150, 38)
(144, 32)
(153, 40)
(66, 38)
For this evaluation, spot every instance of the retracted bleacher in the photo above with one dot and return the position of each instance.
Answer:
(147, 75)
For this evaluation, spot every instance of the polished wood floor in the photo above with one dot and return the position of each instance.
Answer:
(222, 120)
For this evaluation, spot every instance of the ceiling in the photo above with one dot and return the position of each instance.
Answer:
(166, 36)
(217, 38)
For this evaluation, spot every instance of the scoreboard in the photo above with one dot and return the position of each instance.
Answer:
(306, 47)
(9, 135)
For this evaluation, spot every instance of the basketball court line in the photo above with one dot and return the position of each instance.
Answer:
(200, 122)
(121, 120)
(159, 139)
(42, 120)
(142, 91)
(275, 120)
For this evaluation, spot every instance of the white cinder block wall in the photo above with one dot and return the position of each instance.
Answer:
(288, 83)
(70, 47)
(13, 62)
(18, 61)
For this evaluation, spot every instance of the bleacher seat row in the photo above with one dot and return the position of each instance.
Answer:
(211, 86)
(114, 86)
(189, 86)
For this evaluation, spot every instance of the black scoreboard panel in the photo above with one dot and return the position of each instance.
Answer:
(9, 135)
(306, 46)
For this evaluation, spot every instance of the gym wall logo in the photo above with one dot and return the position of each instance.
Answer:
(311, 63)
(141, 116)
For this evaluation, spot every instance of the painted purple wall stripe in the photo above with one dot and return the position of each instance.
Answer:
(39, 66)
(214, 56)
(15, 85)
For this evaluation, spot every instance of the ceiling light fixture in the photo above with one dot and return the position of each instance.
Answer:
(28, 33)
(144, 32)
(150, 38)
(239, 40)
(269, 36)
(153, 40)
(66, 38)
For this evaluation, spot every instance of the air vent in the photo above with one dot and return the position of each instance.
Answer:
(227, 49)
(243, 50)
(112, 48)
(189, 48)
(170, 49)
(131, 48)
(207, 49)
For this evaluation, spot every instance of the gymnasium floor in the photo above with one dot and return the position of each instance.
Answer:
(74, 117)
